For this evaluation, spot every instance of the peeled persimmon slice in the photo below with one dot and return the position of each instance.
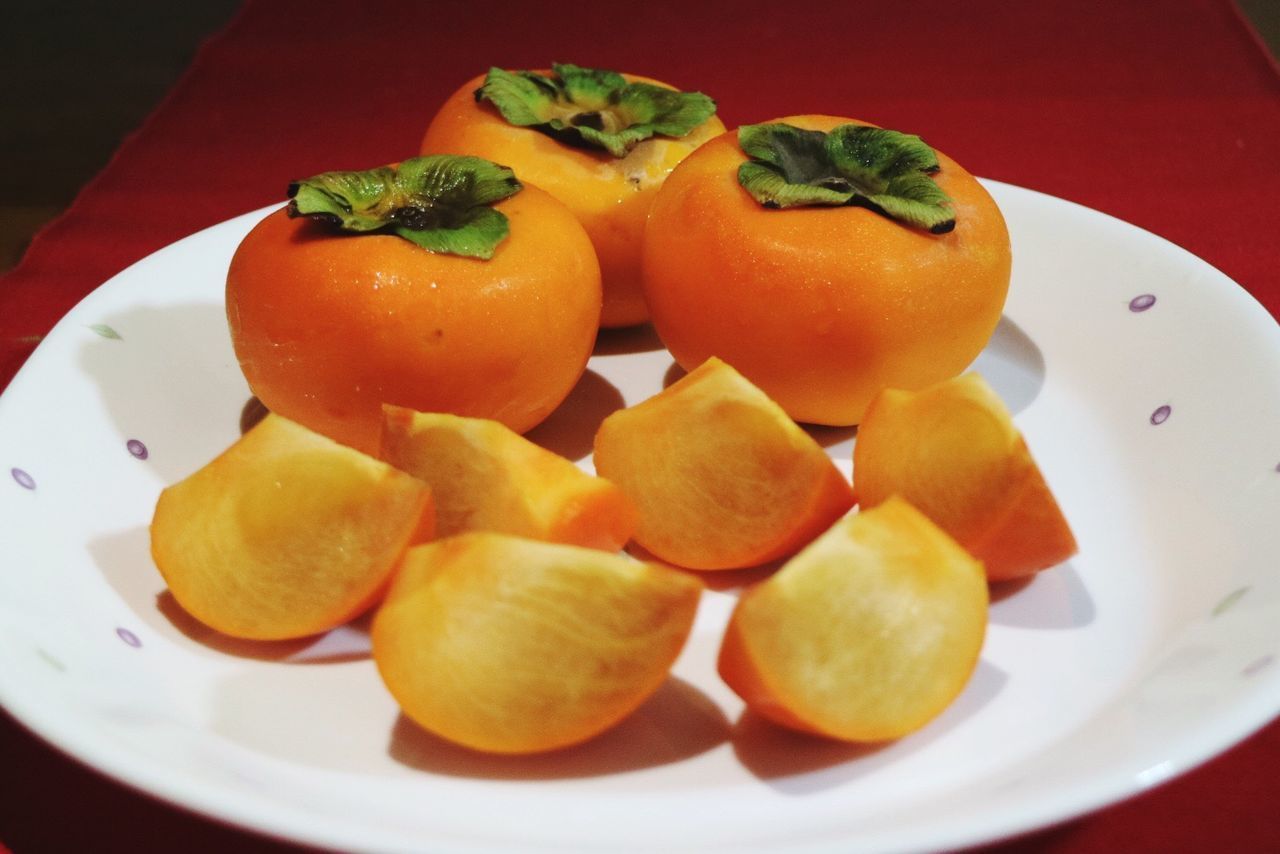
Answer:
(486, 477)
(866, 635)
(286, 533)
(720, 474)
(953, 451)
(509, 645)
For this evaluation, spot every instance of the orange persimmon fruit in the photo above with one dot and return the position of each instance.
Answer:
(866, 635)
(829, 299)
(610, 193)
(721, 477)
(953, 451)
(286, 533)
(486, 477)
(508, 645)
(329, 325)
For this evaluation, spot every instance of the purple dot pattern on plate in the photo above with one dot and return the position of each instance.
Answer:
(1258, 665)
(138, 449)
(1161, 414)
(128, 637)
(1142, 302)
(23, 479)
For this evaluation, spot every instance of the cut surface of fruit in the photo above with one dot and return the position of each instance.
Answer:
(722, 478)
(866, 635)
(508, 645)
(953, 451)
(486, 477)
(286, 533)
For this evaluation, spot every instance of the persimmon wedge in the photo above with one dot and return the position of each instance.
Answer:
(486, 477)
(508, 645)
(721, 477)
(953, 451)
(286, 533)
(866, 635)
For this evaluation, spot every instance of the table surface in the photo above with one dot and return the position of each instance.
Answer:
(1167, 116)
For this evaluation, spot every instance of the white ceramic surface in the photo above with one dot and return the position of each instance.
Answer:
(1148, 387)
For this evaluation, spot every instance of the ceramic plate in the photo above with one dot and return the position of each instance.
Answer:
(1147, 385)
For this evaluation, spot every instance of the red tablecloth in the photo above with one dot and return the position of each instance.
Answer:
(1166, 115)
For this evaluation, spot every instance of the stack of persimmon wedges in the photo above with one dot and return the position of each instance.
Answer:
(405, 326)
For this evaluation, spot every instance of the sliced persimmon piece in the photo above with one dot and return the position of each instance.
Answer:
(720, 474)
(286, 533)
(486, 477)
(509, 645)
(866, 635)
(953, 451)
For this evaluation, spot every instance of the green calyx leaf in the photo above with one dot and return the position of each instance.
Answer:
(593, 108)
(884, 170)
(441, 202)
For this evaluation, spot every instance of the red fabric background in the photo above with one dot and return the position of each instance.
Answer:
(1166, 115)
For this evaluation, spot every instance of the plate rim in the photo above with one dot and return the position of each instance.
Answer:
(214, 803)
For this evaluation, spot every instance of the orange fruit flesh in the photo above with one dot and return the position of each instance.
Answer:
(953, 451)
(609, 196)
(721, 477)
(485, 477)
(866, 635)
(507, 645)
(821, 307)
(286, 534)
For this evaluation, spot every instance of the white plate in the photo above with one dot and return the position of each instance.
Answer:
(1150, 652)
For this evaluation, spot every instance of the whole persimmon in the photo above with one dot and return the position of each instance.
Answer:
(825, 259)
(439, 285)
(599, 141)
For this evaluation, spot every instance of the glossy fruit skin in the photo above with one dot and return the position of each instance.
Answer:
(820, 307)
(327, 327)
(610, 196)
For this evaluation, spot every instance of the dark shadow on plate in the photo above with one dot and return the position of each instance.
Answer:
(676, 723)
(197, 631)
(1012, 364)
(631, 339)
(1053, 599)
(571, 430)
(770, 751)
(344, 643)
(674, 374)
(124, 559)
(798, 764)
(252, 412)
(829, 437)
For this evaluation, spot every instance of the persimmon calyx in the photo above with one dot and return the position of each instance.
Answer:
(884, 170)
(593, 108)
(441, 202)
